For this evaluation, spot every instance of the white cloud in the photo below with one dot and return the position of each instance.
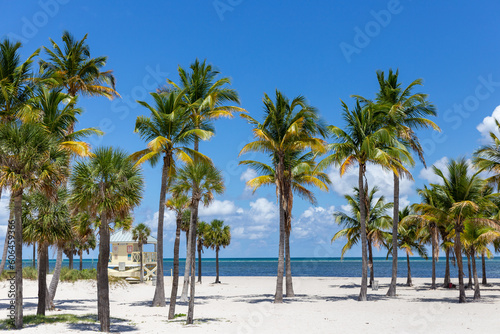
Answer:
(488, 125)
(248, 174)
(218, 208)
(4, 213)
(428, 173)
(314, 222)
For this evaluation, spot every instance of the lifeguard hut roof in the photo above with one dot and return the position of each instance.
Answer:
(122, 236)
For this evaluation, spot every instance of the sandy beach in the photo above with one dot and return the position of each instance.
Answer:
(244, 305)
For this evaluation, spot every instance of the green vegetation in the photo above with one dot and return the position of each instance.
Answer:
(73, 275)
(51, 319)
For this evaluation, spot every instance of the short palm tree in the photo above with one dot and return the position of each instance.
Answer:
(140, 233)
(179, 205)
(365, 140)
(107, 186)
(376, 223)
(217, 235)
(167, 131)
(31, 160)
(202, 181)
(288, 127)
(200, 243)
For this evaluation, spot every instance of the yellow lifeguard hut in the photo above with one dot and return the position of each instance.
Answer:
(125, 257)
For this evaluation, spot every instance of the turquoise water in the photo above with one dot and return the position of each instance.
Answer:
(327, 267)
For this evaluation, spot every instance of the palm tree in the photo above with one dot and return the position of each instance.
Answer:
(140, 233)
(288, 127)
(202, 181)
(73, 68)
(405, 111)
(376, 222)
(30, 160)
(200, 243)
(107, 186)
(46, 222)
(167, 130)
(217, 235)
(365, 140)
(82, 224)
(179, 204)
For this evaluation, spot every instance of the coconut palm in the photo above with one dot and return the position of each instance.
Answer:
(167, 131)
(405, 111)
(376, 222)
(200, 243)
(217, 235)
(31, 160)
(179, 204)
(365, 140)
(288, 126)
(46, 222)
(140, 233)
(202, 181)
(73, 68)
(107, 186)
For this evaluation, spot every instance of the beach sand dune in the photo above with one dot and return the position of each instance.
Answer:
(244, 305)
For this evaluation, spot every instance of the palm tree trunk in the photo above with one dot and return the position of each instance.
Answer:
(81, 260)
(142, 264)
(34, 255)
(469, 285)
(192, 238)
(55, 279)
(175, 281)
(362, 211)
(70, 259)
(6, 243)
(217, 264)
(43, 250)
(447, 280)
(159, 296)
(288, 266)
(370, 262)
(102, 279)
(408, 280)
(434, 234)
(200, 248)
(458, 254)
(483, 262)
(278, 297)
(18, 237)
(187, 268)
(477, 292)
(395, 221)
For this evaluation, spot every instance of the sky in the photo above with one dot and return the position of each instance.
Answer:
(325, 51)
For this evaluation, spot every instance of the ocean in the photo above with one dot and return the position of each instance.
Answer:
(323, 267)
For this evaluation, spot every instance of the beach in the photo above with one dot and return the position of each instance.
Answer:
(244, 305)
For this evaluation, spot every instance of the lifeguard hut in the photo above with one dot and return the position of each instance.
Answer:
(125, 257)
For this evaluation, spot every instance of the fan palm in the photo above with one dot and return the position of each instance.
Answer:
(366, 139)
(140, 233)
(202, 181)
(377, 221)
(167, 131)
(217, 235)
(288, 127)
(200, 243)
(107, 186)
(31, 160)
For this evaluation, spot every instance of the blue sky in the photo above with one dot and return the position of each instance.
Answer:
(325, 51)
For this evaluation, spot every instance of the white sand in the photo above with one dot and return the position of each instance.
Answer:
(244, 305)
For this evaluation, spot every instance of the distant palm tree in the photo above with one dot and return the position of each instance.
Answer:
(217, 235)
(30, 160)
(140, 233)
(202, 181)
(167, 131)
(200, 243)
(107, 186)
(377, 221)
(179, 204)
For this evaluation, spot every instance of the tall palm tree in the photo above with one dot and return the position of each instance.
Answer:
(366, 139)
(288, 127)
(202, 181)
(167, 131)
(46, 222)
(405, 111)
(200, 243)
(31, 160)
(179, 204)
(140, 233)
(377, 221)
(107, 186)
(217, 235)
